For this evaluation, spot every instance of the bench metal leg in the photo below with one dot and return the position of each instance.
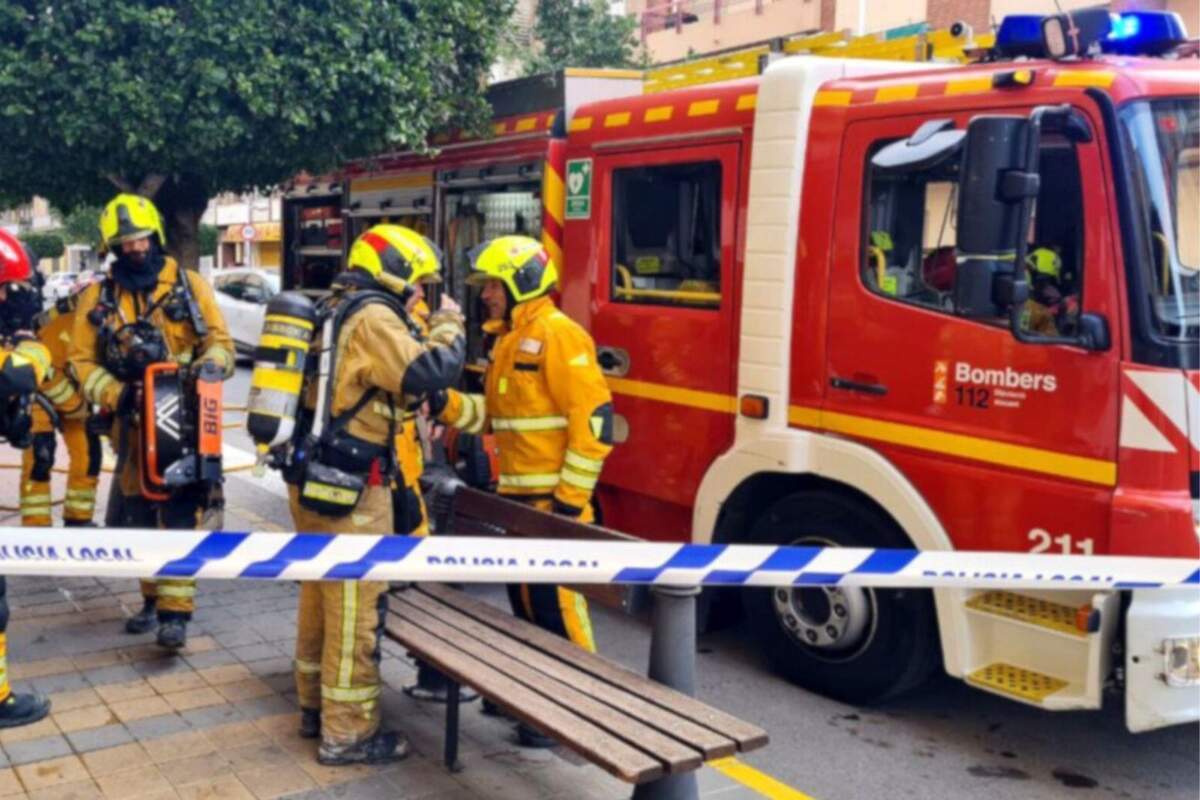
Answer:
(450, 756)
(673, 663)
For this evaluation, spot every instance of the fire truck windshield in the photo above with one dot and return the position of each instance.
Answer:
(1165, 138)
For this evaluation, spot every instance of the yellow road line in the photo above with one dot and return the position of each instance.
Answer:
(756, 781)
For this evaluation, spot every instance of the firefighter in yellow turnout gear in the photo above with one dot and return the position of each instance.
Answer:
(54, 329)
(146, 310)
(380, 369)
(25, 368)
(547, 405)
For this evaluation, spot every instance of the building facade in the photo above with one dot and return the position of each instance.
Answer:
(672, 30)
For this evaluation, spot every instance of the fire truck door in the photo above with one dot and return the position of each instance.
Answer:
(1013, 445)
(665, 324)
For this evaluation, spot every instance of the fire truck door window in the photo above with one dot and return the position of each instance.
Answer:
(910, 236)
(667, 235)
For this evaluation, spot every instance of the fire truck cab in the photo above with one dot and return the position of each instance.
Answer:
(856, 304)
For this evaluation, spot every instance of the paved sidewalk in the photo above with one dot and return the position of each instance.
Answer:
(218, 722)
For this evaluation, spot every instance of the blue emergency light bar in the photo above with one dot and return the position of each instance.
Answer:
(1131, 33)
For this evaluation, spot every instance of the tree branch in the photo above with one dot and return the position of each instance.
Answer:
(119, 182)
(150, 185)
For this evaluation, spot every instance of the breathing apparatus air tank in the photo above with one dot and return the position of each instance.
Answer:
(279, 363)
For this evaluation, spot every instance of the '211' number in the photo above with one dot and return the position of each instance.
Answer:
(1040, 542)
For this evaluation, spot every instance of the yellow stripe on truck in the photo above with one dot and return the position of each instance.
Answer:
(974, 448)
(1033, 459)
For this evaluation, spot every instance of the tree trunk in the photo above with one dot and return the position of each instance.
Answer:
(182, 201)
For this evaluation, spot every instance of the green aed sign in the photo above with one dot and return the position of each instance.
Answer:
(579, 188)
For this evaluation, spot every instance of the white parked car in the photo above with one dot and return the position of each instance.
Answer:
(242, 295)
(59, 285)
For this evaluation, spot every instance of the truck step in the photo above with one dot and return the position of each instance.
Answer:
(1032, 611)
(1018, 682)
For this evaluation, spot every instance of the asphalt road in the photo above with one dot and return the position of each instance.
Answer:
(945, 741)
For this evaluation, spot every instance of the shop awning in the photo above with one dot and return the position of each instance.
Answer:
(256, 232)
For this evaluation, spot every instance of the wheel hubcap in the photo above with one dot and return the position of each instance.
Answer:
(824, 617)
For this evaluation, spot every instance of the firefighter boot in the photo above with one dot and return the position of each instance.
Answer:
(382, 748)
(78, 523)
(23, 709)
(310, 723)
(172, 633)
(532, 738)
(146, 619)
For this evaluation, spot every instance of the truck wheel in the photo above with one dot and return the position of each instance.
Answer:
(854, 644)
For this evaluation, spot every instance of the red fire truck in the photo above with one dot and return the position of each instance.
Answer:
(857, 304)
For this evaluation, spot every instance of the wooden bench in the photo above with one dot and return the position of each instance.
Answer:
(633, 727)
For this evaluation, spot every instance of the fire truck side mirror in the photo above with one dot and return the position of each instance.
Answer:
(995, 204)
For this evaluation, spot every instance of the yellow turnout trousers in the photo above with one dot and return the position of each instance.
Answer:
(551, 607)
(339, 625)
(83, 472)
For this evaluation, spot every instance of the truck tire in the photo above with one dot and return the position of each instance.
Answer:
(857, 645)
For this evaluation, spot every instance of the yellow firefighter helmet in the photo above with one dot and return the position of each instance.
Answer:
(519, 262)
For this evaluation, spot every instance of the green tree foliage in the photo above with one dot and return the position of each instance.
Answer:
(80, 226)
(582, 33)
(209, 235)
(182, 99)
(45, 245)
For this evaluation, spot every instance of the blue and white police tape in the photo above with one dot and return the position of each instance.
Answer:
(110, 552)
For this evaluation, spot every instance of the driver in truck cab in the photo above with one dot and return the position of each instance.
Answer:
(1052, 309)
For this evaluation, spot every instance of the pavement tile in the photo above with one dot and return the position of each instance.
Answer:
(82, 719)
(237, 637)
(140, 708)
(211, 716)
(200, 644)
(24, 670)
(267, 706)
(179, 745)
(271, 667)
(197, 768)
(67, 769)
(226, 787)
(79, 698)
(234, 735)
(99, 738)
(176, 681)
(194, 698)
(269, 783)
(417, 777)
(147, 651)
(279, 725)
(241, 690)
(257, 756)
(254, 652)
(134, 783)
(282, 682)
(122, 692)
(114, 759)
(118, 673)
(373, 788)
(211, 658)
(77, 790)
(104, 658)
(64, 682)
(153, 727)
(9, 785)
(226, 673)
(24, 733)
(331, 776)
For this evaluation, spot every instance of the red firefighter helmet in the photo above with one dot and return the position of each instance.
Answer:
(14, 261)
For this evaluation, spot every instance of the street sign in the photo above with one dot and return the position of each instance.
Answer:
(249, 233)
(579, 188)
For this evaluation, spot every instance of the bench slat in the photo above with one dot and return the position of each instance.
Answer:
(677, 757)
(747, 736)
(711, 745)
(594, 744)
